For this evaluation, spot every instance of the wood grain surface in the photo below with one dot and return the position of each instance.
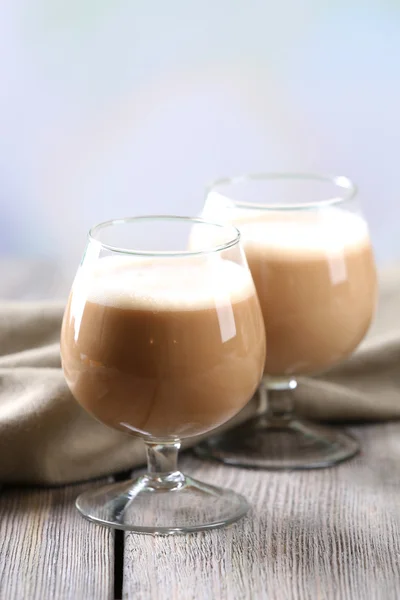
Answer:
(48, 551)
(332, 534)
(327, 534)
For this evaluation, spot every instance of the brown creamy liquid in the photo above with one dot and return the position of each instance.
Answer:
(316, 281)
(148, 352)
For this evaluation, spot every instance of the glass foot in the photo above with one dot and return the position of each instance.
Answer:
(156, 506)
(279, 445)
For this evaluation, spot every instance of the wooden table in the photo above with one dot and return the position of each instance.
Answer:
(327, 534)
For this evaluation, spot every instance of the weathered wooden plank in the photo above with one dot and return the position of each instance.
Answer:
(48, 551)
(329, 534)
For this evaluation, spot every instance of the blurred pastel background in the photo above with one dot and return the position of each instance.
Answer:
(119, 107)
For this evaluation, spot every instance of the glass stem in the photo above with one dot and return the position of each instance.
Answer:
(162, 465)
(280, 401)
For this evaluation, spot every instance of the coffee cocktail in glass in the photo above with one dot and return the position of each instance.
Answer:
(163, 343)
(309, 250)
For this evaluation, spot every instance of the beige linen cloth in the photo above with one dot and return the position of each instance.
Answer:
(46, 438)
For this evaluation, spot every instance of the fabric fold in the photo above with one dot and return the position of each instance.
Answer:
(46, 438)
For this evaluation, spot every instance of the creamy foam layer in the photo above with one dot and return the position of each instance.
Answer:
(328, 231)
(181, 284)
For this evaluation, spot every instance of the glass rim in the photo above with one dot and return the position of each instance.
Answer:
(93, 231)
(341, 182)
